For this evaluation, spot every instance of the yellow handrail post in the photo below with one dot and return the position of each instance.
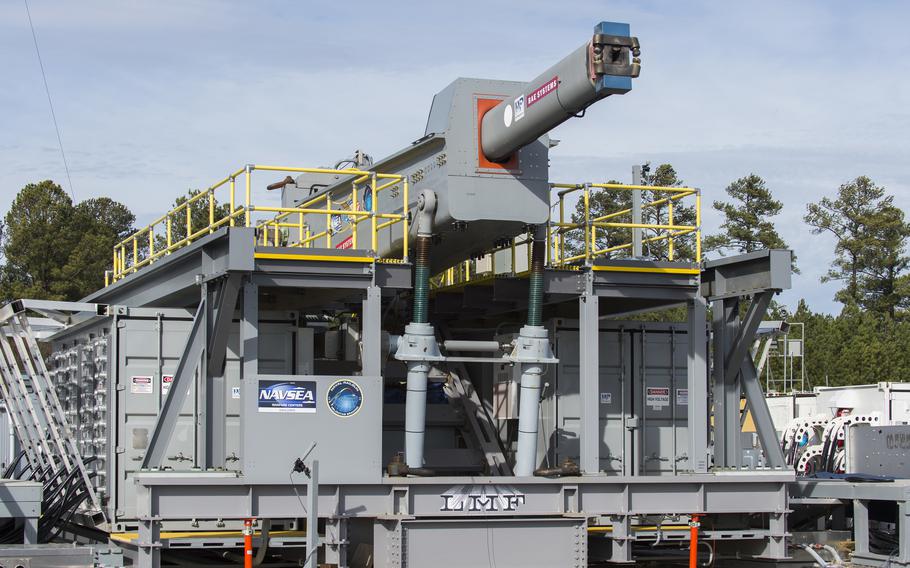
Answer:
(698, 226)
(300, 237)
(169, 233)
(232, 202)
(211, 210)
(189, 223)
(249, 170)
(151, 244)
(406, 212)
(560, 235)
(328, 222)
(135, 253)
(114, 269)
(549, 244)
(355, 219)
(374, 241)
(587, 197)
(670, 238)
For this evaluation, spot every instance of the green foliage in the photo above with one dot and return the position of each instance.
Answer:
(199, 216)
(602, 202)
(870, 235)
(608, 201)
(55, 250)
(747, 226)
(684, 247)
(854, 347)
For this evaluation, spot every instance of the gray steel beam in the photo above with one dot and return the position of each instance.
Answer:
(726, 388)
(746, 333)
(249, 331)
(228, 495)
(746, 274)
(589, 382)
(312, 517)
(173, 280)
(760, 414)
(228, 289)
(167, 419)
(371, 334)
(149, 544)
(698, 423)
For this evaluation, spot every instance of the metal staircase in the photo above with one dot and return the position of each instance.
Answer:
(37, 415)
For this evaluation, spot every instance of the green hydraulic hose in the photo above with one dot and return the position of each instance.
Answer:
(535, 293)
(421, 280)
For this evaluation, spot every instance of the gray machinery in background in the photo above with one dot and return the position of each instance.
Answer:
(363, 417)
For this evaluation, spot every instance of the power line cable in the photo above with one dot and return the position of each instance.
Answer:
(49, 101)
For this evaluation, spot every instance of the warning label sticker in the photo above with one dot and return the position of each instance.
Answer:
(166, 381)
(606, 398)
(235, 392)
(346, 244)
(542, 91)
(657, 397)
(682, 397)
(141, 385)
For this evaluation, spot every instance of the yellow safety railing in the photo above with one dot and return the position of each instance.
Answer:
(277, 231)
(587, 228)
(177, 228)
(584, 231)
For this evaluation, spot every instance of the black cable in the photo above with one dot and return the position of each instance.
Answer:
(49, 101)
(12, 466)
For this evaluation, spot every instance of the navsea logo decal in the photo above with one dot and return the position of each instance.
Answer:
(344, 398)
(287, 396)
(482, 499)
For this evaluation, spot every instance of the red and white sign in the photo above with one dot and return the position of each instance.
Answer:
(166, 381)
(542, 91)
(657, 397)
(346, 244)
(140, 385)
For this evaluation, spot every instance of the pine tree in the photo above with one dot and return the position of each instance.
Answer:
(747, 226)
(869, 253)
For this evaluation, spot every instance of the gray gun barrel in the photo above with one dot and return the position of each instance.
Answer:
(601, 67)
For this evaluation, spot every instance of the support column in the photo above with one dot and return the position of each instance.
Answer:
(30, 531)
(149, 545)
(903, 532)
(312, 519)
(201, 403)
(697, 380)
(861, 527)
(371, 332)
(622, 540)
(221, 302)
(249, 348)
(726, 388)
(589, 379)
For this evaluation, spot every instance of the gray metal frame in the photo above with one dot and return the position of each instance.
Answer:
(860, 494)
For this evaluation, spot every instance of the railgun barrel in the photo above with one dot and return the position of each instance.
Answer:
(603, 66)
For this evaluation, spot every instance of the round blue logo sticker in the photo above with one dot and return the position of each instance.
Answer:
(344, 398)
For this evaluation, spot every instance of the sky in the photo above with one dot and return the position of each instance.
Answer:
(155, 97)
